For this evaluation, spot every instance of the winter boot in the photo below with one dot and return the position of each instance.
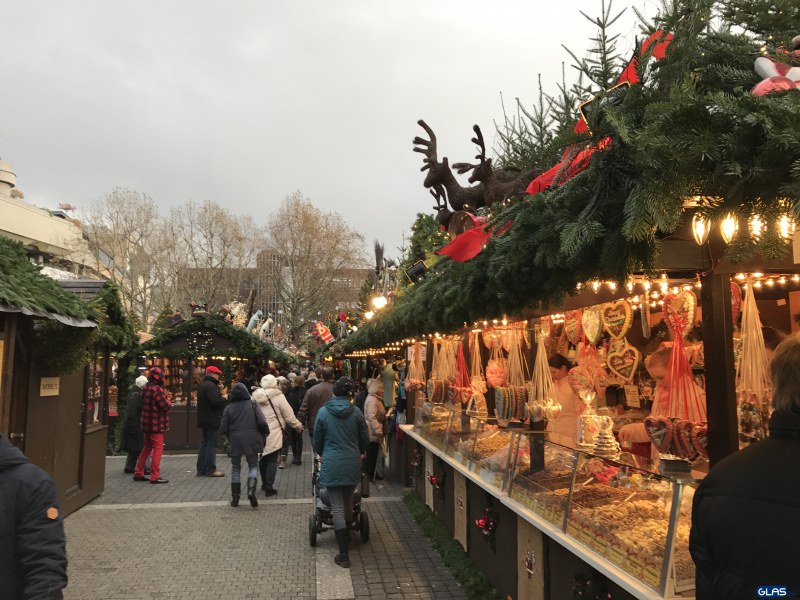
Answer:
(343, 558)
(236, 490)
(252, 482)
(282, 462)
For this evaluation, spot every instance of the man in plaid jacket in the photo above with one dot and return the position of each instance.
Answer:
(154, 421)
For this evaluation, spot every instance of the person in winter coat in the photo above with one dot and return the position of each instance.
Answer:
(33, 554)
(341, 438)
(242, 422)
(294, 396)
(745, 512)
(154, 422)
(279, 416)
(315, 399)
(132, 436)
(375, 416)
(210, 405)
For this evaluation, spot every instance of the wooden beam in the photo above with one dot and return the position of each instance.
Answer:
(723, 430)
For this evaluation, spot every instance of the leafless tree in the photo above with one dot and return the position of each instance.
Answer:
(320, 255)
(214, 254)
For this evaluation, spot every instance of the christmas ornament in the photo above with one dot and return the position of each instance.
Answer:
(321, 330)
(778, 76)
(683, 304)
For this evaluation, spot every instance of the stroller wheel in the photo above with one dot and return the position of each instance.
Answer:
(363, 526)
(312, 530)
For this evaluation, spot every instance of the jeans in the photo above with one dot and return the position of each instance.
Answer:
(297, 445)
(153, 444)
(341, 505)
(236, 467)
(268, 465)
(207, 455)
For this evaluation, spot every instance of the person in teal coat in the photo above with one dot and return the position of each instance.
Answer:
(341, 438)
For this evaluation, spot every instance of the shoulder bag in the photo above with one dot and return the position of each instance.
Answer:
(286, 438)
(263, 428)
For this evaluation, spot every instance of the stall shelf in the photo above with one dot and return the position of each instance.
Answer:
(620, 515)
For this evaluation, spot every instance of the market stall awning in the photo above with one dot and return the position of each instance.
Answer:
(71, 321)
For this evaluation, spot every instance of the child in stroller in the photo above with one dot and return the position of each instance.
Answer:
(321, 519)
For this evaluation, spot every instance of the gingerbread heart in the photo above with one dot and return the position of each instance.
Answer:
(679, 311)
(592, 323)
(683, 429)
(700, 439)
(624, 363)
(659, 430)
(545, 325)
(573, 327)
(736, 300)
(617, 317)
(580, 380)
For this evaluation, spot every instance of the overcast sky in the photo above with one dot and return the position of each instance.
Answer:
(245, 102)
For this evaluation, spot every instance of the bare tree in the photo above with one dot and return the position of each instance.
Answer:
(122, 232)
(320, 253)
(214, 254)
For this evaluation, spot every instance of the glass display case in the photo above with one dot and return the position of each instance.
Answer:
(623, 509)
(431, 422)
(460, 436)
(489, 455)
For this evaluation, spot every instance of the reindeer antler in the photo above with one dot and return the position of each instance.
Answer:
(440, 195)
(463, 167)
(426, 147)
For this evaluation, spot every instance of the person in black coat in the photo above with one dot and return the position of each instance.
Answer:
(33, 554)
(132, 436)
(745, 525)
(294, 396)
(210, 405)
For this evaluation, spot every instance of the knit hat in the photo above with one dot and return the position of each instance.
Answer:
(156, 376)
(269, 381)
(141, 380)
(344, 386)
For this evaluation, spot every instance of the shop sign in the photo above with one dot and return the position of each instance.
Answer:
(632, 396)
(49, 386)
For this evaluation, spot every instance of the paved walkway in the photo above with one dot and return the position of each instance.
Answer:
(182, 541)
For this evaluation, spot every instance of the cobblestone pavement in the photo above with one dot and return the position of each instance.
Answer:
(182, 541)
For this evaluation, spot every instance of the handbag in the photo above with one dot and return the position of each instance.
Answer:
(263, 428)
(286, 438)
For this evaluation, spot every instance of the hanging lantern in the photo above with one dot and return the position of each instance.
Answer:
(729, 227)
(756, 226)
(700, 229)
(786, 226)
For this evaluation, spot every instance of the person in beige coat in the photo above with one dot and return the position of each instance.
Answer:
(375, 415)
(279, 415)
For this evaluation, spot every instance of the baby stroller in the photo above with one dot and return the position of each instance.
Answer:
(322, 519)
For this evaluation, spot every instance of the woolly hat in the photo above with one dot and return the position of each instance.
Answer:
(141, 380)
(156, 376)
(269, 381)
(344, 386)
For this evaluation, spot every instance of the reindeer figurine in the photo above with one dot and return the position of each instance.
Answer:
(498, 184)
(442, 182)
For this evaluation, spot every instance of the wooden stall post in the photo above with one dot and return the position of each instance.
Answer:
(723, 432)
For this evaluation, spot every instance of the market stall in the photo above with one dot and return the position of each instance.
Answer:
(186, 349)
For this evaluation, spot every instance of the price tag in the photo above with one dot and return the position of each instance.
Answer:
(632, 396)
(572, 530)
(616, 555)
(600, 545)
(498, 480)
(587, 537)
(548, 513)
(652, 576)
(634, 566)
(558, 517)
(540, 509)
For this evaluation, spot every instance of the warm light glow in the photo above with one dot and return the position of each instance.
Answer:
(770, 282)
(728, 228)
(664, 283)
(700, 229)
(647, 285)
(379, 302)
(629, 285)
(612, 285)
(368, 315)
(782, 280)
(756, 226)
(741, 276)
(795, 277)
(757, 274)
(757, 284)
(786, 227)
(595, 286)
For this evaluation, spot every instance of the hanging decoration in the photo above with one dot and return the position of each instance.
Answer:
(753, 386)
(461, 390)
(736, 300)
(487, 523)
(573, 326)
(415, 379)
(321, 330)
(435, 387)
(496, 370)
(511, 401)
(592, 320)
(623, 362)
(644, 313)
(529, 563)
(477, 403)
(617, 317)
(542, 390)
(684, 304)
